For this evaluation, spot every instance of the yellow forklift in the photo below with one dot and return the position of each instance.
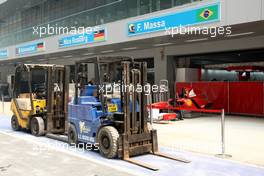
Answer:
(40, 99)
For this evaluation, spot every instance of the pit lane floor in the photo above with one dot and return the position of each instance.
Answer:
(23, 154)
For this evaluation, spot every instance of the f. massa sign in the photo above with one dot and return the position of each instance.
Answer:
(205, 14)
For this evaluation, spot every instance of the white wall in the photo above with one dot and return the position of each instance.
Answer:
(186, 74)
(262, 2)
(243, 11)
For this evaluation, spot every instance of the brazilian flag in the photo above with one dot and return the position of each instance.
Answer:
(208, 13)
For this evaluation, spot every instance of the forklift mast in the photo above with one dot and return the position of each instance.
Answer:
(136, 139)
(57, 99)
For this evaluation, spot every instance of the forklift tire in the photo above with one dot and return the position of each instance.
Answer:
(14, 123)
(108, 141)
(72, 135)
(37, 126)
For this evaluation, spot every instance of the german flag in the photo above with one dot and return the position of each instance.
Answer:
(99, 35)
(40, 46)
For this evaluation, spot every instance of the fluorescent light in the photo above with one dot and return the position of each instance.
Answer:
(107, 51)
(162, 44)
(41, 59)
(240, 34)
(52, 58)
(131, 48)
(67, 56)
(88, 54)
(2, 1)
(196, 40)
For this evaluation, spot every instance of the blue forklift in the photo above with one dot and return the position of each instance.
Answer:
(108, 112)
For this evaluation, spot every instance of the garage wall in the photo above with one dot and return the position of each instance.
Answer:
(186, 74)
(262, 2)
(6, 70)
(242, 11)
(222, 75)
(194, 48)
(161, 54)
(217, 46)
(219, 75)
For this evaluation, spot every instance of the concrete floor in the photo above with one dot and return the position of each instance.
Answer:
(5, 108)
(24, 153)
(18, 157)
(244, 137)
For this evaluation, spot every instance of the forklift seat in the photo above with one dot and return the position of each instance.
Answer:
(89, 90)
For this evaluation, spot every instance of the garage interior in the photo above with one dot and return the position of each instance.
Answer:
(230, 80)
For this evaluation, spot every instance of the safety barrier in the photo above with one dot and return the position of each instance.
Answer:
(166, 106)
(246, 98)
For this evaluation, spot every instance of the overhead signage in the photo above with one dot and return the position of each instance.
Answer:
(3, 54)
(83, 39)
(206, 14)
(30, 49)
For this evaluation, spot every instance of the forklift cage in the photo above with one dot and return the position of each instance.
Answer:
(57, 108)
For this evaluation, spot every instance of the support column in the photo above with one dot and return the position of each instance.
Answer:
(165, 67)
(184, 72)
(160, 65)
(171, 75)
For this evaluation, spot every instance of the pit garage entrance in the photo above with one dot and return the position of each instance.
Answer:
(230, 80)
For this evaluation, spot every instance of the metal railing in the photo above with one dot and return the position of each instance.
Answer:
(3, 103)
(164, 96)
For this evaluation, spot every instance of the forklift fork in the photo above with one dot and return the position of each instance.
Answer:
(137, 139)
(150, 167)
(171, 157)
(154, 151)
